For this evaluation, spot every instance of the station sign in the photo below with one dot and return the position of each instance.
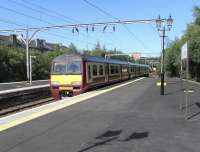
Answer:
(184, 51)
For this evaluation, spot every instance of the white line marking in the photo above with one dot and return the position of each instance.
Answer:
(23, 89)
(191, 81)
(23, 82)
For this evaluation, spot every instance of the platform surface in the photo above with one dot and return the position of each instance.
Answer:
(21, 85)
(132, 118)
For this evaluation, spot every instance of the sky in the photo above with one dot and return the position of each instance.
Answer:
(140, 37)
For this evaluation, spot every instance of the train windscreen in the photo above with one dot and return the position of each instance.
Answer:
(66, 68)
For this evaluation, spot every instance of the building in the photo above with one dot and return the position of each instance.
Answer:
(39, 44)
(10, 40)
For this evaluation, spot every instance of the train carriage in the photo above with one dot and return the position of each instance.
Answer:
(74, 74)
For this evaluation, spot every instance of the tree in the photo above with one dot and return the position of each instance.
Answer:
(41, 66)
(72, 49)
(98, 51)
(196, 15)
(12, 64)
(192, 36)
(173, 58)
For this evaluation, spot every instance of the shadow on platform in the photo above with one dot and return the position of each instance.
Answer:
(137, 135)
(113, 135)
(197, 113)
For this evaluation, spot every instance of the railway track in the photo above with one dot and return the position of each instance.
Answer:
(20, 100)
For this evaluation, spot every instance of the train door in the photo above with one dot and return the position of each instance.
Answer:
(120, 67)
(89, 72)
(129, 71)
(106, 72)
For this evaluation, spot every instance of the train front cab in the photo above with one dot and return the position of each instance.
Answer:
(66, 76)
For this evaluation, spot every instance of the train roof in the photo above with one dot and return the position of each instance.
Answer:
(103, 60)
(66, 57)
(94, 59)
(88, 58)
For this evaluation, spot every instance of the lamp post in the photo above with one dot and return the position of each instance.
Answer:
(27, 41)
(161, 27)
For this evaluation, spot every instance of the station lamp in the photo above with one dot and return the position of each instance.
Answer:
(161, 27)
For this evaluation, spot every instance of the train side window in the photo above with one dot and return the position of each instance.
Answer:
(112, 69)
(89, 72)
(117, 69)
(101, 70)
(94, 67)
(106, 69)
(124, 69)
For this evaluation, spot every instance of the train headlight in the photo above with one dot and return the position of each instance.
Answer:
(66, 83)
(55, 83)
(76, 83)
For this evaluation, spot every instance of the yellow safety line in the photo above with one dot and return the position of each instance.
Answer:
(77, 99)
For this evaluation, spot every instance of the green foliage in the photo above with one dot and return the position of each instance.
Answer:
(173, 58)
(192, 36)
(197, 15)
(100, 51)
(72, 49)
(12, 64)
(41, 66)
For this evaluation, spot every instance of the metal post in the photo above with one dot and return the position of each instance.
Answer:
(187, 65)
(187, 89)
(181, 85)
(181, 73)
(30, 70)
(162, 75)
(186, 105)
(27, 54)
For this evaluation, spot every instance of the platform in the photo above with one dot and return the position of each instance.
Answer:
(20, 86)
(132, 116)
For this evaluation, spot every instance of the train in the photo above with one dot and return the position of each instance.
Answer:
(73, 74)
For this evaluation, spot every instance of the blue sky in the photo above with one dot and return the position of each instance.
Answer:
(144, 39)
